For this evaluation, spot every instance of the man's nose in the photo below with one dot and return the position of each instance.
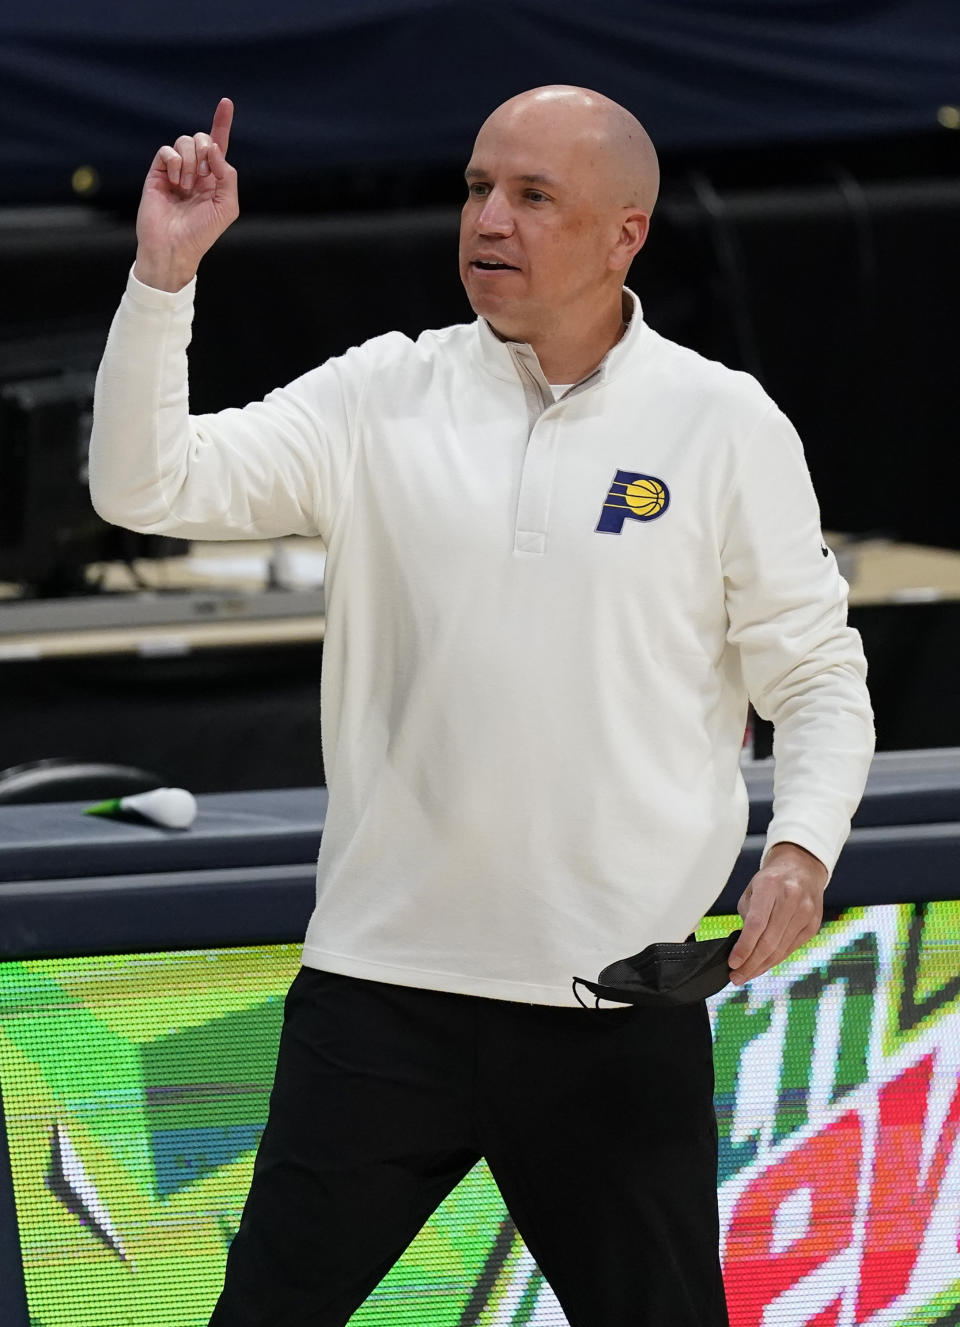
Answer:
(495, 216)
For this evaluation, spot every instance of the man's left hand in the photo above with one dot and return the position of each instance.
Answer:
(781, 908)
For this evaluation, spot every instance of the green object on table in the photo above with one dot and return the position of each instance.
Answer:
(173, 808)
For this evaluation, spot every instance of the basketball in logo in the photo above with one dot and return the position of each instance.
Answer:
(646, 496)
(632, 496)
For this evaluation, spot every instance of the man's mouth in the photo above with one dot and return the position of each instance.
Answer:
(486, 265)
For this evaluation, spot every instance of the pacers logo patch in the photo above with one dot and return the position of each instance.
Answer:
(632, 497)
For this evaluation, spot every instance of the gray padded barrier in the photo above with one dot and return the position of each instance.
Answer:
(244, 872)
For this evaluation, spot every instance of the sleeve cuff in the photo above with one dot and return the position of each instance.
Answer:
(804, 839)
(149, 297)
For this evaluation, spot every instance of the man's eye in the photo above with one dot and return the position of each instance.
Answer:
(535, 196)
(477, 189)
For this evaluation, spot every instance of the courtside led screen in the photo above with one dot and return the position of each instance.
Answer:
(135, 1089)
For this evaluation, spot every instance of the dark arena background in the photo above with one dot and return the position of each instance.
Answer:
(807, 232)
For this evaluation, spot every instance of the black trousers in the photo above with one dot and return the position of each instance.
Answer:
(597, 1125)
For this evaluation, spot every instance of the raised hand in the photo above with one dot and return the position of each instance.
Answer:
(189, 199)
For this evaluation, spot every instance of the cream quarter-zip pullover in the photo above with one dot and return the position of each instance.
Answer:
(544, 619)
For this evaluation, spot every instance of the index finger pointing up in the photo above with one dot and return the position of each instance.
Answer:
(222, 120)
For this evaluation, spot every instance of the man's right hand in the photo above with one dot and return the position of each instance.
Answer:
(189, 199)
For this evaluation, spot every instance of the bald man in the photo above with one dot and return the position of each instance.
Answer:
(563, 552)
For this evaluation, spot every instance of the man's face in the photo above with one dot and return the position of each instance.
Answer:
(538, 228)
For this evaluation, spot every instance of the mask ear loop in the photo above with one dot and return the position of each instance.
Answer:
(577, 994)
(614, 995)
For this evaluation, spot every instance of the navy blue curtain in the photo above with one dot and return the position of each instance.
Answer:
(326, 84)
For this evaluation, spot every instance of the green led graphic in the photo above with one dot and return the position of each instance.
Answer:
(135, 1090)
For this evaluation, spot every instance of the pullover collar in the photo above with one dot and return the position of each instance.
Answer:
(509, 359)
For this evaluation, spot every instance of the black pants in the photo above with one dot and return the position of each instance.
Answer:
(597, 1125)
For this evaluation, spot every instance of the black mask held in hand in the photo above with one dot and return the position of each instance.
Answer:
(665, 974)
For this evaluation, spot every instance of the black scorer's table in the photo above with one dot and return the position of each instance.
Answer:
(243, 874)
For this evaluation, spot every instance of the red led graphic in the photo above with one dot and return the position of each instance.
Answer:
(901, 1200)
(828, 1165)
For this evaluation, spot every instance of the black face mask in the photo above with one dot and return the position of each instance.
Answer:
(665, 974)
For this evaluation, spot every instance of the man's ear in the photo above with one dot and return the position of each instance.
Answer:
(634, 228)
